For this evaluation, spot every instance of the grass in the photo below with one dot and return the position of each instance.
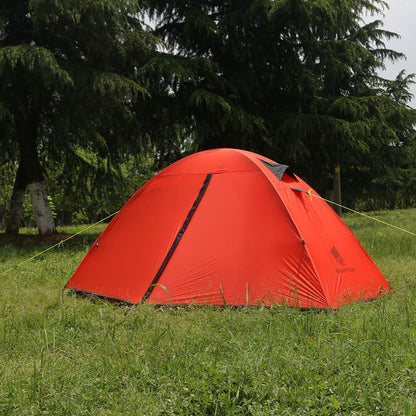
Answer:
(65, 355)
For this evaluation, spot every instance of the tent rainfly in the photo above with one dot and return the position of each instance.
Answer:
(228, 226)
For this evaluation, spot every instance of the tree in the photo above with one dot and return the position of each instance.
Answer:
(69, 76)
(294, 79)
(386, 180)
(218, 54)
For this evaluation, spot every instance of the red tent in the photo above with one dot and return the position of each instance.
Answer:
(228, 226)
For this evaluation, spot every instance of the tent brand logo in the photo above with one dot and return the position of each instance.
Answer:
(341, 262)
(337, 256)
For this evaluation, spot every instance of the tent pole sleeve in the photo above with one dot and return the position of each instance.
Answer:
(178, 236)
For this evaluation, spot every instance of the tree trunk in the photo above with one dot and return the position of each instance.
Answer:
(29, 175)
(14, 218)
(337, 189)
(41, 208)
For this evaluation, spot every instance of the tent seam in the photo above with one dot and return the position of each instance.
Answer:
(261, 167)
(178, 237)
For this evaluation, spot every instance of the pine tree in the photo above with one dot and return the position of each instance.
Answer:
(68, 80)
(213, 73)
(294, 79)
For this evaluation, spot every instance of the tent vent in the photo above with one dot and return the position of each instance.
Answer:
(278, 170)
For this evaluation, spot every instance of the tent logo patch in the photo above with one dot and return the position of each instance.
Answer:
(338, 258)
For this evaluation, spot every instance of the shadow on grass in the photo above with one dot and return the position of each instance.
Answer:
(40, 242)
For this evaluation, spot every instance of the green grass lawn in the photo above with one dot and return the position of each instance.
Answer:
(61, 354)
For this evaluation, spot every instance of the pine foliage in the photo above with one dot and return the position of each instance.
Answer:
(294, 79)
(91, 89)
(69, 82)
